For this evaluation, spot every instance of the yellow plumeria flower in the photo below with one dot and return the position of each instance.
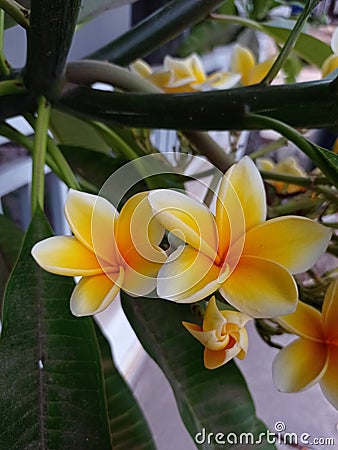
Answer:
(288, 166)
(331, 63)
(108, 250)
(243, 61)
(313, 358)
(249, 260)
(222, 333)
(184, 75)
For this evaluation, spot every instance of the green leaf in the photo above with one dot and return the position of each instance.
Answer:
(51, 381)
(330, 164)
(214, 400)
(10, 243)
(71, 131)
(259, 9)
(128, 426)
(155, 30)
(91, 165)
(96, 168)
(204, 36)
(312, 50)
(292, 67)
(91, 8)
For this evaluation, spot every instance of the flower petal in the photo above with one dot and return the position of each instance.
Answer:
(214, 359)
(243, 343)
(160, 79)
(330, 311)
(218, 80)
(242, 61)
(92, 218)
(329, 383)
(187, 218)
(292, 241)
(235, 317)
(213, 319)
(329, 65)
(260, 288)
(138, 234)
(139, 284)
(240, 205)
(94, 294)
(299, 365)
(207, 338)
(187, 276)
(258, 72)
(190, 67)
(306, 322)
(65, 255)
(288, 166)
(141, 67)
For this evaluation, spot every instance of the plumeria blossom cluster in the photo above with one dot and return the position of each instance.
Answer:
(189, 75)
(236, 251)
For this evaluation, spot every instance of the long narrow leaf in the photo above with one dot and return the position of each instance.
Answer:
(128, 426)
(51, 382)
(212, 400)
(91, 8)
(160, 27)
(10, 244)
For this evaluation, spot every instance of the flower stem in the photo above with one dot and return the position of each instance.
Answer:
(39, 153)
(293, 206)
(54, 154)
(290, 42)
(88, 72)
(268, 148)
(16, 11)
(4, 69)
(116, 141)
(328, 193)
(14, 135)
(308, 182)
(311, 150)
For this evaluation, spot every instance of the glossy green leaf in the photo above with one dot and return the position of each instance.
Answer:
(129, 429)
(51, 381)
(214, 400)
(311, 49)
(155, 30)
(71, 131)
(331, 164)
(91, 8)
(95, 167)
(204, 36)
(10, 244)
